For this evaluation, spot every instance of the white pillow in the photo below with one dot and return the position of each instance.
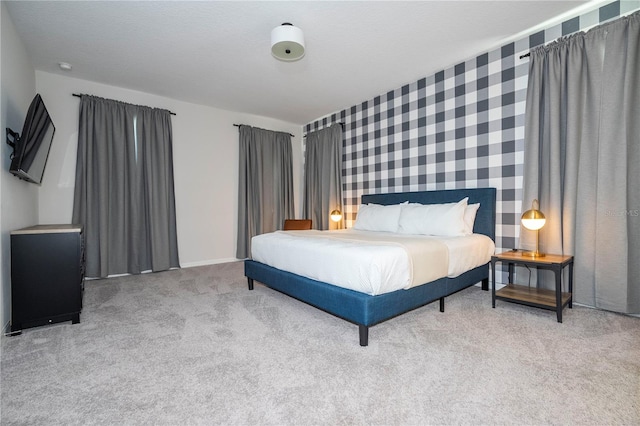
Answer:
(470, 217)
(375, 217)
(433, 219)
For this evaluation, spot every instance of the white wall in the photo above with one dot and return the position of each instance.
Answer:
(205, 149)
(18, 199)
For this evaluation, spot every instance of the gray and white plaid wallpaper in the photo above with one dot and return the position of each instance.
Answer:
(460, 128)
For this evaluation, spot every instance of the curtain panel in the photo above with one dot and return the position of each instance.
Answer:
(124, 192)
(582, 159)
(323, 176)
(265, 191)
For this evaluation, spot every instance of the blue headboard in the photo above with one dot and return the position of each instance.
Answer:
(485, 218)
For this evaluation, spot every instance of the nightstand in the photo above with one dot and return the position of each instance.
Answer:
(532, 296)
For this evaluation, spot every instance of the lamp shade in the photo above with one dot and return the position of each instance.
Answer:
(533, 219)
(287, 43)
(336, 215)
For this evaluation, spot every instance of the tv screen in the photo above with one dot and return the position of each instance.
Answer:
(32, 147)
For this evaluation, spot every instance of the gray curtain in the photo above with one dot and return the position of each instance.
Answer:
(582, 159)
(265, 192)
(124, 193)
(323, 176)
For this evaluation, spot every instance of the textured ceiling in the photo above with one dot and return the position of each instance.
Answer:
(218, 53)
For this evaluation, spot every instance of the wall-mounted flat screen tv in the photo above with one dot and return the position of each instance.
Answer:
(31, 148)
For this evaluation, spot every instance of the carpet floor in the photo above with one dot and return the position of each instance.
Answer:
(194, 346)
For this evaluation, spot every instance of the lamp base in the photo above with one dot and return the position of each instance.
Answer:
(531, 253)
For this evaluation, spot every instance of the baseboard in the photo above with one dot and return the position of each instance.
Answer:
(210, 262)
(498, 285)
(183, 265)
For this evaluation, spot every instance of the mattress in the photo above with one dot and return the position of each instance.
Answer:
(371, 262)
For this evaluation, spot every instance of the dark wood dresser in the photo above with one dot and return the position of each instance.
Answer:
(47, 275)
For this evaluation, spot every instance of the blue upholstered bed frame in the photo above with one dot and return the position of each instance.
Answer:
(366, 310)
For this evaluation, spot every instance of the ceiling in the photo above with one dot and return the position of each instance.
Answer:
(217, 53)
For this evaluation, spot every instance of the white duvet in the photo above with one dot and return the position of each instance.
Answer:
(371, 262)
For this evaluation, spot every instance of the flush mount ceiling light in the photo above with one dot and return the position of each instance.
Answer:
(287, 43)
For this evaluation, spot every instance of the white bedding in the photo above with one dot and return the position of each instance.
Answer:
(371, 262)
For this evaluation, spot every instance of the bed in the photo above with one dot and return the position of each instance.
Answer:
(366, 310)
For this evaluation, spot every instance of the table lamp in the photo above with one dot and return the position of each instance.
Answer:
(336, 215)
(533, 220)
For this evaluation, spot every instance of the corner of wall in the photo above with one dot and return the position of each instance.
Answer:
(18, 199)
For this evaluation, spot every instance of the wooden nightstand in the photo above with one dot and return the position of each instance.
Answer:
(532, 296)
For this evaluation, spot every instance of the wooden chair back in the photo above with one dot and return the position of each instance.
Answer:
(297, 224)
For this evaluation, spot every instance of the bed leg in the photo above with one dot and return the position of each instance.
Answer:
(442, 304)
(250, 282)
(364, 335)
(485, 284)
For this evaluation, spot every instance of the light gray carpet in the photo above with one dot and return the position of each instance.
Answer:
(194, 346)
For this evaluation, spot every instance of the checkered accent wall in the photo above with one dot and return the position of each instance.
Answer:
(460, 128)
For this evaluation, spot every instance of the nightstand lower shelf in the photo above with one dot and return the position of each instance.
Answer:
(531, 296)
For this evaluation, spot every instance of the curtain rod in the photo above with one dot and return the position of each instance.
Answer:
(78, 96)
(238, 125)
(526, 55)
